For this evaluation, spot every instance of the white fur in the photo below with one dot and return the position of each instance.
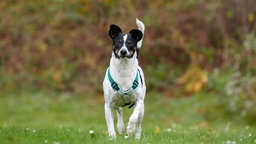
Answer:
(124, 71)
(141, 27)
(124, 47)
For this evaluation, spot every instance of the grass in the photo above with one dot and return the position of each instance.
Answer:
(62, 118)
(81, 135)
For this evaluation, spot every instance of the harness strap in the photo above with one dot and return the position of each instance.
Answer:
(126, 93)
(115, 86)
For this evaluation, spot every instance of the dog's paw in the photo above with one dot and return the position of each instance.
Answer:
(137, 136)
(138, 132)
(126, 136)
(120, 130)
(120, 127)
(112, 135)
(131, 128)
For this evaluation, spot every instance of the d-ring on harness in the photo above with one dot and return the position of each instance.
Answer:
(126, 94)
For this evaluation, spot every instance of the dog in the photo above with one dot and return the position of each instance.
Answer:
(124, 83)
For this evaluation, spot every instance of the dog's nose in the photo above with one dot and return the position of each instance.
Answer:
(123, 52)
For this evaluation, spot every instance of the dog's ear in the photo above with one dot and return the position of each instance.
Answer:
(114, 31)
(136, 34)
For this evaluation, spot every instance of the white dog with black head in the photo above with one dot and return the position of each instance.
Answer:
(124, 83)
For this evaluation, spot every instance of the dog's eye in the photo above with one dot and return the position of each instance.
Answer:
(119, 41)
(129, 42)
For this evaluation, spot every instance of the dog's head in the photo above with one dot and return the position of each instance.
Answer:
(124, 45)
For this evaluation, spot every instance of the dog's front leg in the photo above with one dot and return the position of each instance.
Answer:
(139, 107)
(138, 128)
(110, 121)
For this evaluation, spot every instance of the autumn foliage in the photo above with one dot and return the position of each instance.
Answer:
(63, 45)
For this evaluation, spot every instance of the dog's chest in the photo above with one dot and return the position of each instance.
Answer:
(122, 100)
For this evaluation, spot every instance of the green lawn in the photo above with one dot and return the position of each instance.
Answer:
(62, 118)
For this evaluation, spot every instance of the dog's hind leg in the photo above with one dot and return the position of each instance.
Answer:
(138, 128)
(110, 121)
(120, 121)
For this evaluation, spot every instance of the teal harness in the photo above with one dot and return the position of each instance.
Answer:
(123, 93)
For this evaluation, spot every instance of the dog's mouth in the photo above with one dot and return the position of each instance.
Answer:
(125, 56)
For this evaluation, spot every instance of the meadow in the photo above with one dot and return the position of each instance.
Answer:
(198, 57)
(46, 117)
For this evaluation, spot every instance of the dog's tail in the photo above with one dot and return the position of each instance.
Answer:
(141, 27)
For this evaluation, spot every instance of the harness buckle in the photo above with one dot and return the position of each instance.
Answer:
(126, 99)
(115, 86)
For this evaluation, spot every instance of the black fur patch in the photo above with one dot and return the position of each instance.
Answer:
(133, 37)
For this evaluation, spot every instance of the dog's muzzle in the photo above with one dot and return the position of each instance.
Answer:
(123, 52)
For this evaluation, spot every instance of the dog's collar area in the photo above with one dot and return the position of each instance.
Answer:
(120, 91)
(115, 86)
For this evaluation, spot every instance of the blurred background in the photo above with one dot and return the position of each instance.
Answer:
(190, 48)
